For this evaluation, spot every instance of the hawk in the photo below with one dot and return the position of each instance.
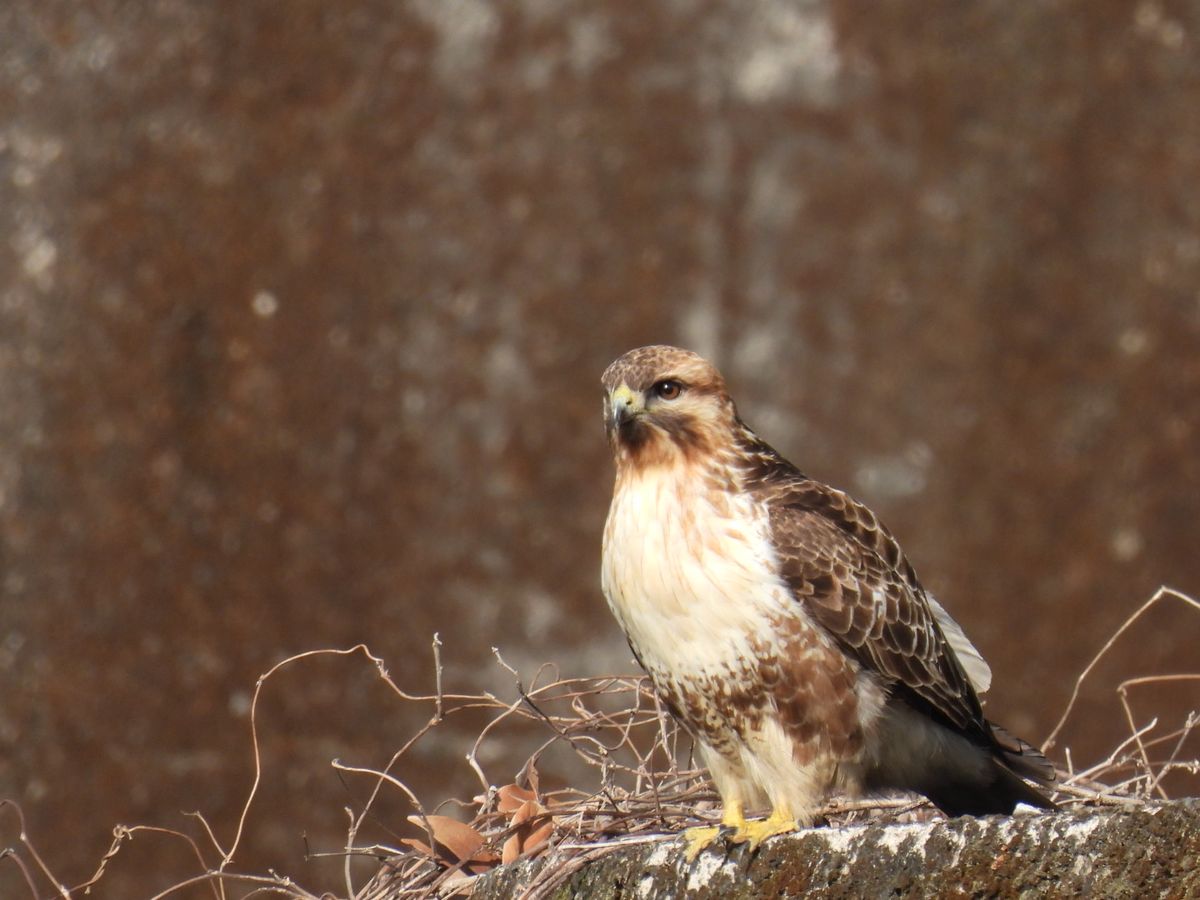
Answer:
(780, 621)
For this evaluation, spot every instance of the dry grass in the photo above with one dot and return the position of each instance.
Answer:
(609, 734)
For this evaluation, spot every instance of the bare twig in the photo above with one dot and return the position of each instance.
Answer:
(630, 779)
(32, 850)
(1160, 594)
(123, 834)
(10, 853)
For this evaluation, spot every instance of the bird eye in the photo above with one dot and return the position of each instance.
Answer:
(668, 389)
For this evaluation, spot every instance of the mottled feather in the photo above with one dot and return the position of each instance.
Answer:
(850, 572)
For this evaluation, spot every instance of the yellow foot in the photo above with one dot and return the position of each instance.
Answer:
(755, 831)
(704, 835)
(736, 829)
(700, 837)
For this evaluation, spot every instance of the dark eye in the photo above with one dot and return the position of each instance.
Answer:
(668, 389)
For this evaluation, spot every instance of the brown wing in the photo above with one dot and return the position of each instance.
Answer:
(855, 581)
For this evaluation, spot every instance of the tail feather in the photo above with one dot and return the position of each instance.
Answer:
(976, 773)
(1014, 764)
(1001, 795)
(1022, 757)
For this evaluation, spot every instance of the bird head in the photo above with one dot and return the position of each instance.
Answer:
(662, 403)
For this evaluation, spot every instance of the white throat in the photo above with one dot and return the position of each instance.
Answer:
(688, 565)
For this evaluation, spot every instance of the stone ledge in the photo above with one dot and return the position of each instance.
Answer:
(1141, 851)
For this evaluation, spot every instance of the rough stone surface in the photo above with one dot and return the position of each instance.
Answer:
(303, 307)
(1109, 853)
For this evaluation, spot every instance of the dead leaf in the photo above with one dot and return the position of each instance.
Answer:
(461, 840)
(539, 837)
(419, 846)
(525, 812)
(511, 849)
(510, 797)
(479, 866)
(532, 831)
(529, 775)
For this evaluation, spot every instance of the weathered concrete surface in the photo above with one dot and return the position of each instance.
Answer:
(1141, 852)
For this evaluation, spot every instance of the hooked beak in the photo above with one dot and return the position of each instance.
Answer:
(624, 405)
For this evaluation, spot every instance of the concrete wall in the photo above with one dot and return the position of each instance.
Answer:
(303, 307)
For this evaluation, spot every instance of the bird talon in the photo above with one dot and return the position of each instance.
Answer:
(755, 833)
(702, 837)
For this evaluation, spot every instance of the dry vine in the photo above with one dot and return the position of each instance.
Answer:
(642, 787)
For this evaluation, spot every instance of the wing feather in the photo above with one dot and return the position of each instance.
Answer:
(972, 660)
(853, 578)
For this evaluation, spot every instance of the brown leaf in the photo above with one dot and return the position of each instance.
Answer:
(483, 860)
(419, 846)
(525, 812)
(478, 866)
(511, 797)
(529, 775)
(512, 849)
(539, 837)
(533, 830)
(461, 840)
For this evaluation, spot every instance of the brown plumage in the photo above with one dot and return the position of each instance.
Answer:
(780, 620)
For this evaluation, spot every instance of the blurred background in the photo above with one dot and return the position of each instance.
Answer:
(303, 308)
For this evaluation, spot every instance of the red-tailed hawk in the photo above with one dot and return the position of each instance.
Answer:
(781, 622)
